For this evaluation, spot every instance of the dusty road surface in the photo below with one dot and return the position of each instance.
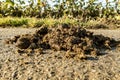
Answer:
(53, 65)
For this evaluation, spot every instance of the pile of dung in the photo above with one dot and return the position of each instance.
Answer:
(76, 41)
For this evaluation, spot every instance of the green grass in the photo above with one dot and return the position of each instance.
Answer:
(50, 22)
(34, 22)
(14, 22)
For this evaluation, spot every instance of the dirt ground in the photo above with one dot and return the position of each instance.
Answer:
(55, 66)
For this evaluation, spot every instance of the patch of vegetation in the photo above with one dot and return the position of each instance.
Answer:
(14, 22)
(72, 12)
(19, 22)
(39, 23)
(72, 8)
(99, 23)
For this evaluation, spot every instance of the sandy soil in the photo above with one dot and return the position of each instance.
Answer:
(53, 65)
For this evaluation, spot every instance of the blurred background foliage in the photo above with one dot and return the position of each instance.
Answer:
(61, 8)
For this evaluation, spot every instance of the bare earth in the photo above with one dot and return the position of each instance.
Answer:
(53, 65)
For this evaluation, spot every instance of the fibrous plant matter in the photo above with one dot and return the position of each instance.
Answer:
(76, 41)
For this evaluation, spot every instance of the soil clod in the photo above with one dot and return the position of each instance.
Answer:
(76, 41)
